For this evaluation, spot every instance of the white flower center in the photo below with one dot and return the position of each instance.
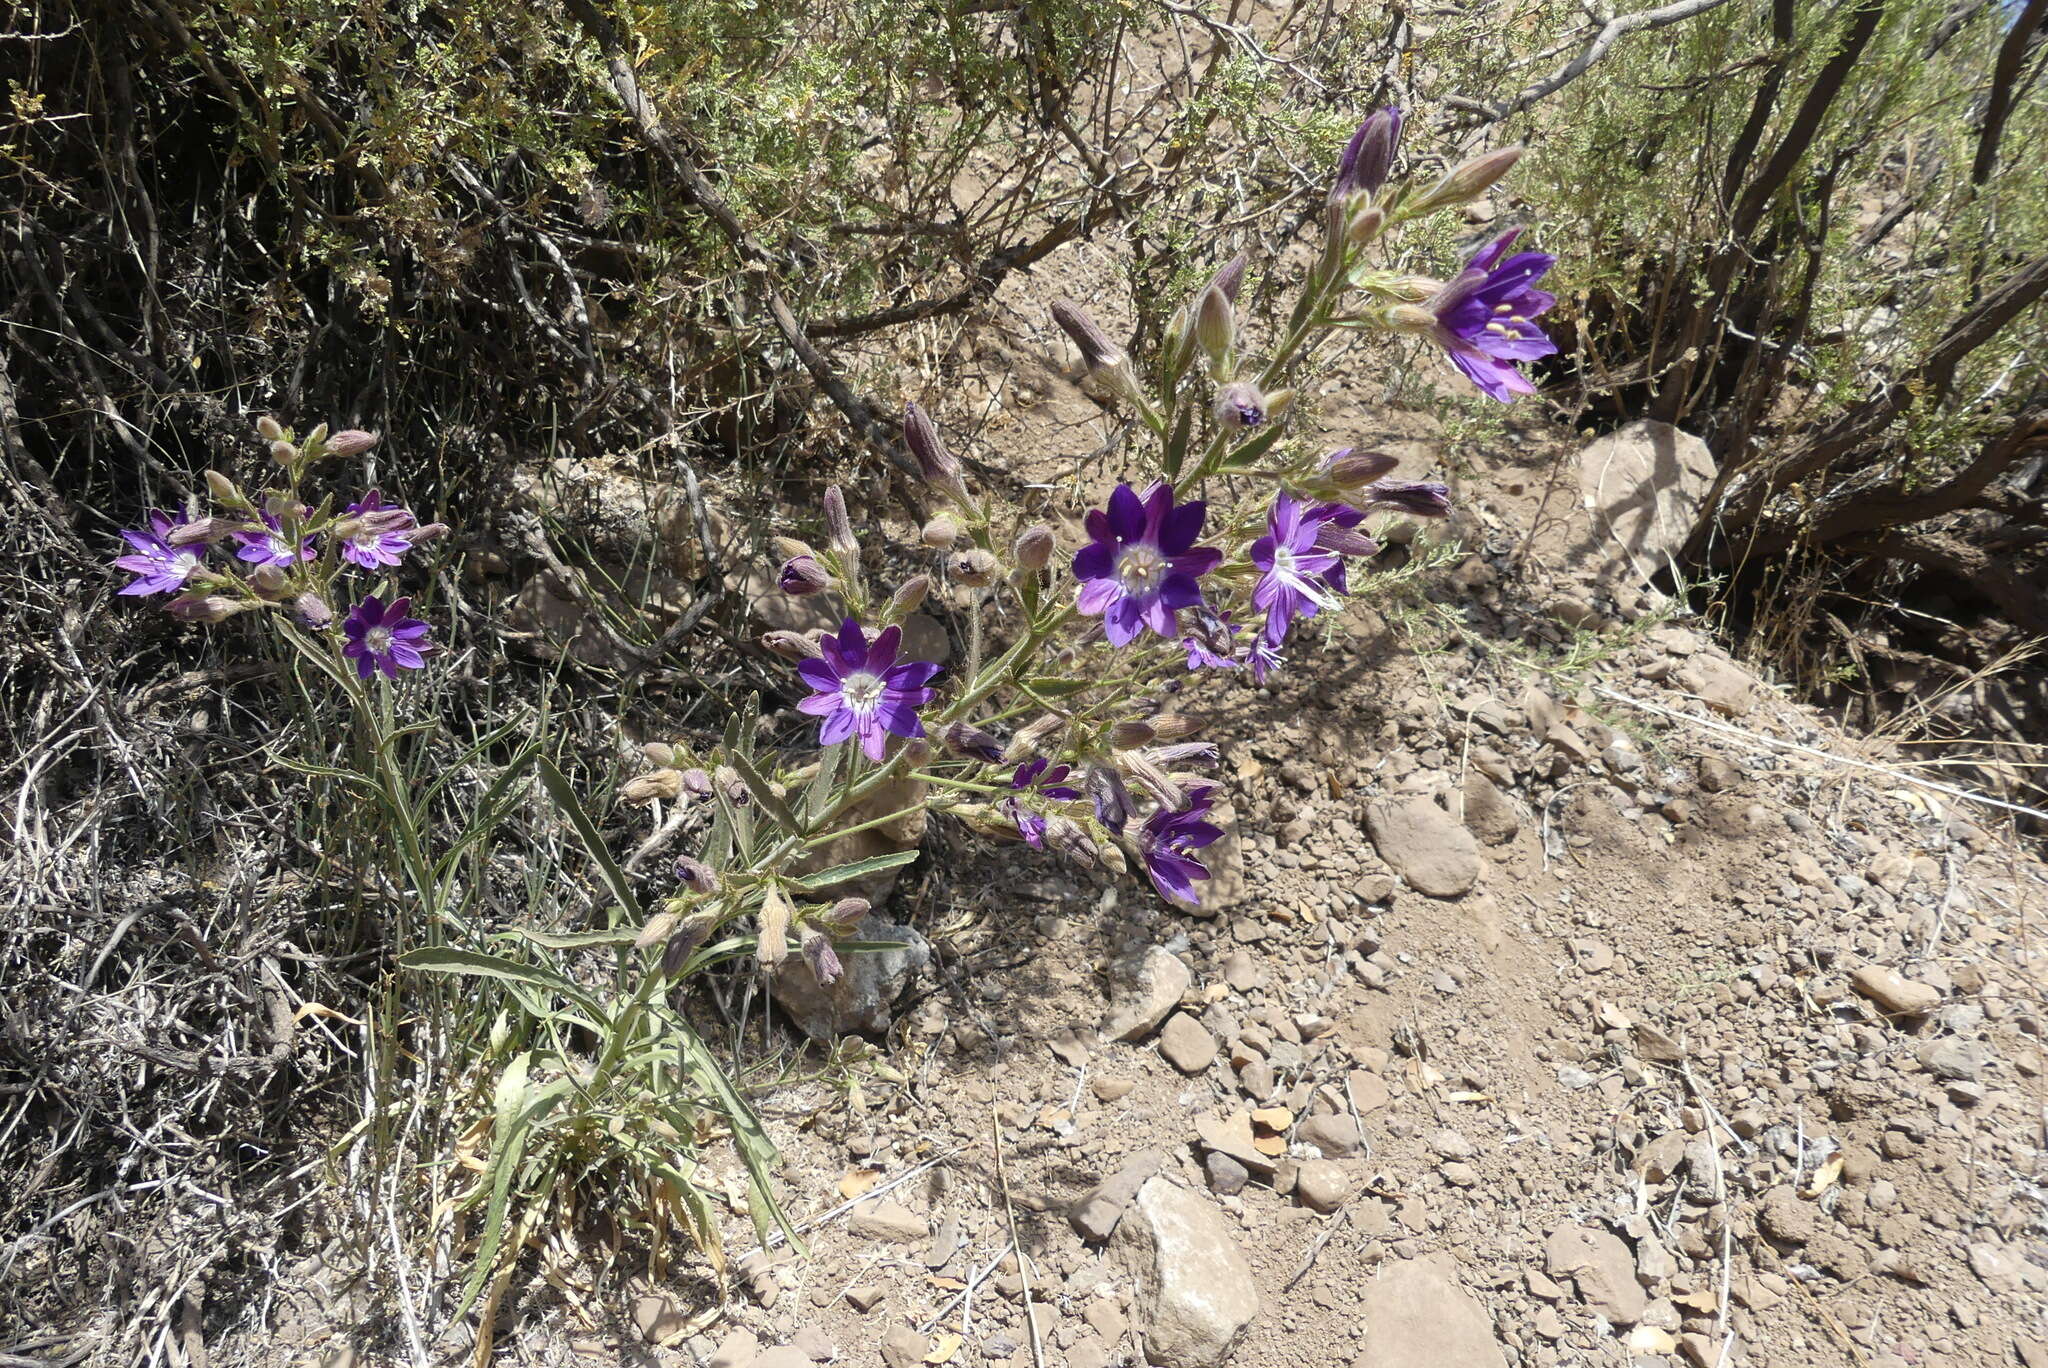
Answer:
(378, 640)
(1283, 559)
(862, 691)
(184, 563)
(1140, 568)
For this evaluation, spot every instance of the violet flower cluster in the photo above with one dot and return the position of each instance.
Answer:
(287, 556)
(1056, 720)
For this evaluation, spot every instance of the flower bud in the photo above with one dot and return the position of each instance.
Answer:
(1422, 498)
(1409, 318)
(1348, 468)
(204, 607)
(908, 598)
(1369, 156)
(1215, 326)
(1175, 726)
(690, 933)
(696, 783)
(789, 645)
(941, 532)
(1411, 289)
(941, 467)
(662, 785)
(1034, 547)
(269, 583)
(820, 956)
(771, 946)
(1279, 404)
(284, 453)
(317, 437)
(270, 429)
(1240, 405)
(199, 530)
(845, 915)
(1188, 753)
(426, 532)
(838, 529)
(801, 576)
(966, 739)
(348, 529)
(1469, 179)
(695, 875)
(1112, 800)
(732, 786)
(661, 753)
(313, 610)
(1094, 344)
(351, 442)
(1365, 225)
(222, 488)
(1026, 742)
(1067, 837)
(1345, 541)
(657, 929)
(1154, 780)
(974, 567)
(1129, 733)
(1229, 278)
(789, 548)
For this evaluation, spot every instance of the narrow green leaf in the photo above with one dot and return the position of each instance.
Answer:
(1047, 687)
(1251, 451)
(859, 869)
(558, 787)
(757, 1151)
(757, 784)
(820, 795)
(1177, 444)
(576, 940)
(718, 844)
(477, 964)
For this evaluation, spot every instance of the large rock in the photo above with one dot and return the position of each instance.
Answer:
(1143, 991)
(1489, 814)
(1424, 844)
(862, 999)
(1195, 1290)
(1418, 1315)
(1644, 485)
(1603, 1269)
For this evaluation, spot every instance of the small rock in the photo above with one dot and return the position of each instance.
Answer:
(1661, 1158)
(865, 1297)
(888, 1220)
(1424, 845)
(1488, 813)
(903, 1347)
(736, 1350)
(1721, 684)
(1951, 1059)
(1549, 1324)
(1594, 956)
(1088, 1352)
(1196, 1293)
(660, 1320)
(1227, 1177)
(1893, 993)
(1418, 1315)
(1321, 1185)
(815, 1344)
(787, 1356)
(1785, 1218)
(1334, 1135)
(1187, 1045)
(1717, 775)
(1997, 1266)
(1241, 971)
(1144, 993)
(1096, 1215)
(1602, 1268)
(1109, 1089)
(1460, 1174)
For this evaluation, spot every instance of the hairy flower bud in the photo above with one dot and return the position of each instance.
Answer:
(1188, 753)
(966, 739)
(789, 548)
(941, 467)
(697, 783)
(789, 645)
(689, 934)
(270, 583)
(657, 929)
(313, 610)
(1239, 405)
(1033, 548)
(974, 567)
(1345, 541)
(1154, 780)
(731, 786)
(845, 915)
(908, 598)
(426, 532)
(1131, 733)
(941, 532)
(695, 875)
(1093, 343)
(204, 607)
(1112, 800)
(662, 785)
(1469, 179)
(1349, 468)
(1409, 318)
(317, 437)
(660, 753)
(1422, 498)
(351, 442)
(1066, 836)
(917, 752)
(199, 530)
(270, 429)
(1365, 225)
(801, 576)
(1369, 156)
(838, 528)
(820, 956)
(222, 488)
(1229, 279)
(1215, 327)
(1026, 742)
(1175, 726)
(284, 453)
(771, 947)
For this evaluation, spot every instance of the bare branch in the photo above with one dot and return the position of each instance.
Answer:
(1612, 32)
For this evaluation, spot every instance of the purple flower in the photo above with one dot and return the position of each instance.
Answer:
(1032, 774)
(267, 546)
(1369, 156)
(1483, 317)
(1208, 645)
(158, 566)
(1142, 565)
(1169, 836)
(1264, 657)
(861, 689)
(385, 536)
(1296, 580)
(383, 638)
(1112, 799)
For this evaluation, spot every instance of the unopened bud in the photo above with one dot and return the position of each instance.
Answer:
(1348, 468)
(204, 607)
(1422, 498)
(964, 738)
(819, 955)
(689, 934)
(1067, 837)
(1175, 726)
(801, 576)
(347, 529)
(1130, 733)
(839, 529)
(789, 645)
(222, 488)
(284, 453)
(1188, 753)
(1026, 742)
(1034, 547)
(1094, 344)
(908, 598)
(1215, 326)
(1369, 156)
(1229, 278)
(1469, 179)
(351, 442)
(917, 752)
(1365, 225)
(1240, 405)
(657, 929)
(198, 531)
(941, 532)
(270, 429)
(697, 783)
(1409, 318)
(426, 532)
(313, 610)
(1345, 541)
(269, 583)
(1412, 289)
(771, 948)
(974, 567)
(317, 437)
(662, 785)
(1112, 799)
(732, 786)
(789, 548)
(845, 915)
(1279, 404)
(660, 753)
(941, 467)
(695, 875)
